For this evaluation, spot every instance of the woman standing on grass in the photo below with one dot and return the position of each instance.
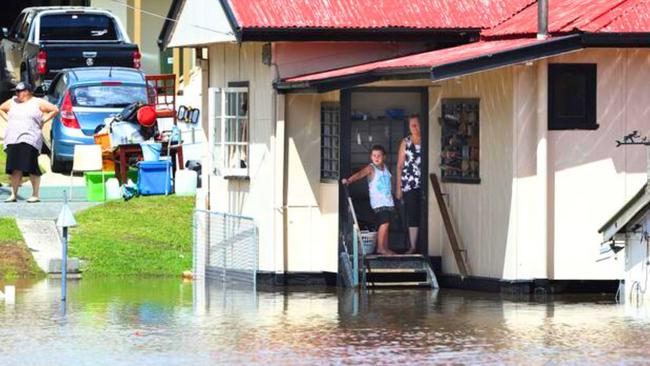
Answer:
(23, 141)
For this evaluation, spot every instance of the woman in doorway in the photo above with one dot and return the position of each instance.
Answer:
(23, 139)
(409, 178)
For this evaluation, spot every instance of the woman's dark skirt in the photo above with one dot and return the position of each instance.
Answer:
(23, 157)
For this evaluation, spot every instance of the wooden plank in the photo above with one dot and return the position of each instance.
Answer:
(396, 270)
(400, 284)
(449, 227)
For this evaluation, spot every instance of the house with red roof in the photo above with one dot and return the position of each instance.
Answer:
(520, 103)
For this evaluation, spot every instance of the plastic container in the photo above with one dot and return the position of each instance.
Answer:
(125, 133)
(113, 191)
(185, 182)
(132, 174)
(108, 164)
(103, 140)
(395, 113)
(95, 189)
(151, 151)
(368, 241)
(154, 177)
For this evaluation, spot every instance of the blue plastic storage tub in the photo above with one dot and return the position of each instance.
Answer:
(154, 177)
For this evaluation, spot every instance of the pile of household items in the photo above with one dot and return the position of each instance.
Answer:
(150, 170)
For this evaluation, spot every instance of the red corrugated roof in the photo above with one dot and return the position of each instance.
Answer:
(567, 16)
(374, 14)
(424, 60)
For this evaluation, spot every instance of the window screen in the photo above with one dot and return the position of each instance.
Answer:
(330, 116)
(460, 142)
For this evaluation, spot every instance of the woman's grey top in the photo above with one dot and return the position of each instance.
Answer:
(25, 123)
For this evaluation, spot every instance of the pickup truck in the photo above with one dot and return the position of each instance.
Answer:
(45, 40)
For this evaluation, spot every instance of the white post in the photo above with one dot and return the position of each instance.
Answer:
(10, 294)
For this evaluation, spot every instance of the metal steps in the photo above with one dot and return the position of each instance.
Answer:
(398, 271)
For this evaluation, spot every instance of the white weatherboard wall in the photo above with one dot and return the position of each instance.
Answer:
(481, 211)
(592, 178)
(312, 206)
(251, 197)
(201, 22)
(544, 194)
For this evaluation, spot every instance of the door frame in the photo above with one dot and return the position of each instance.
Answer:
(345, 151)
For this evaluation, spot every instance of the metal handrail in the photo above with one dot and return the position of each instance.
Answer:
(358, 254)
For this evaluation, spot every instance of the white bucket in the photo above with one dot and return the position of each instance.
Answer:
(113, 189)
(185, 183)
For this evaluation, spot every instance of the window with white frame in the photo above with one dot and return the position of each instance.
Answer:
(230, 131)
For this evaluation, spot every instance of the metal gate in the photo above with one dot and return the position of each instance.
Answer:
(225, 247)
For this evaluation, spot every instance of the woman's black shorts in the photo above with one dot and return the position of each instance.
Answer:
(22, 157)
(412, 202)
(383, 215)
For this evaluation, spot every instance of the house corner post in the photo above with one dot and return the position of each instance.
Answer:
(542, 159)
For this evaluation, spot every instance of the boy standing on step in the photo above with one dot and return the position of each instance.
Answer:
(381, 197)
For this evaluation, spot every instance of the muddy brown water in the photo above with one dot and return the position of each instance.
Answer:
(169, 322)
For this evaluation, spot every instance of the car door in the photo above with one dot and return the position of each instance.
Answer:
(53, 96)
(21, 40)
(9, 46)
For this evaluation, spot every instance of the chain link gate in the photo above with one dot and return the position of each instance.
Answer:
(225, 247)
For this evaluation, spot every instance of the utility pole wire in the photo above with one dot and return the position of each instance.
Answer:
(170, 19)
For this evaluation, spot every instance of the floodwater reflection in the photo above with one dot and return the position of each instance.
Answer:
(169, 322)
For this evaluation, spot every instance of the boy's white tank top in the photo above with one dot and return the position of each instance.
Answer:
(379, 188)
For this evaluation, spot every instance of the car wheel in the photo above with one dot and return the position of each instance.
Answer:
(56, 165)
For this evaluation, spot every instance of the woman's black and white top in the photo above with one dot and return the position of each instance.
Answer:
(411, 173)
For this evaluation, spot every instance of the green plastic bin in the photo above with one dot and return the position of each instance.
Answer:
(132, 174)
(95, 186)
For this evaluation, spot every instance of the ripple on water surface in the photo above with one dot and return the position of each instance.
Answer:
(168, 322)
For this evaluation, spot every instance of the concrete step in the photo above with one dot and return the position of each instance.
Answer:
(399, 270)
(400, 284)
(55, 266)
(395, 270)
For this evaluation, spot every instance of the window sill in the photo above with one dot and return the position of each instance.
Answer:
(237, 177)
(576, 127)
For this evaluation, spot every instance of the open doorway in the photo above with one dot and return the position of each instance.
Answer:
(372, 116)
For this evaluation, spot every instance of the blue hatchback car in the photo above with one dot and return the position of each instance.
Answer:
(86, 97)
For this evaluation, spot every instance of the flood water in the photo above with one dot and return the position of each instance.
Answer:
(168, 322)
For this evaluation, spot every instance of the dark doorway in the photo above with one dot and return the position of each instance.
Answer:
(11, 8)
(380, 116)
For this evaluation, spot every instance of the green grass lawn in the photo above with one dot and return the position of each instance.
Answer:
(144, 236)
(15, 258)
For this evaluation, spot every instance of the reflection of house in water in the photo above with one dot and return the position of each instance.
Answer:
(628, 229)
(520, 128)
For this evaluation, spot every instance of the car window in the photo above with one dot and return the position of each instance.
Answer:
(81, 27)
(108, 96)
(15, 28)
(24, 28)
(59, 88)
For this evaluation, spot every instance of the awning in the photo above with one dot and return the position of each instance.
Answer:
(436, 65)
(200, 22)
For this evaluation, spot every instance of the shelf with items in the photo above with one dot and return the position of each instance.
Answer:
(460, 143)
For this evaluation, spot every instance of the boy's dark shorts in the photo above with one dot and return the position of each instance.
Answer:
(383, 215)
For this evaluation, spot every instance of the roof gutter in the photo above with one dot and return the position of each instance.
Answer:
(346, 81)
(505, 58)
